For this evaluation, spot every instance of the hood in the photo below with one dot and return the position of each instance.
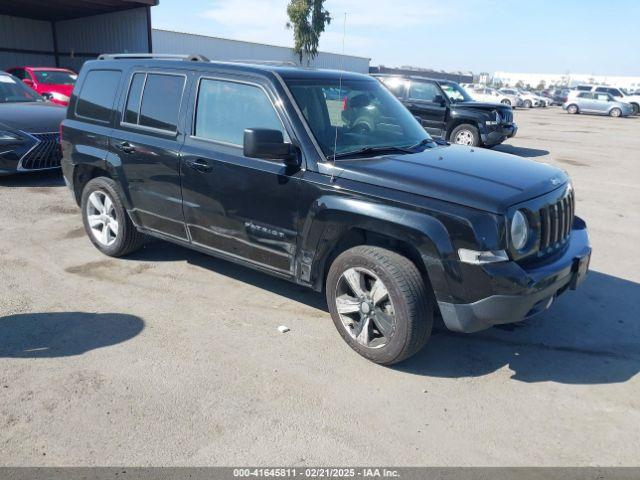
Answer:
(474, 177)
(32, 117)
(479, 105)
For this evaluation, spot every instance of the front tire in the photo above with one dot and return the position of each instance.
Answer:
(573, 109)
(527, 104)
(465, 134)
(636, 108)
(615, 112)
(379, 304)
(106, 221)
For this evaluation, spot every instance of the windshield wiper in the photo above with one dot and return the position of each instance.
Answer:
(367, 150)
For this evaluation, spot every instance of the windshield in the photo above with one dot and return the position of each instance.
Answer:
(55, 77)
(355, 116)
(455, 92)
(13, 90)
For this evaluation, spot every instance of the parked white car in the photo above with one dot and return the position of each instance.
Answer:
(528, 99)
(481, 93)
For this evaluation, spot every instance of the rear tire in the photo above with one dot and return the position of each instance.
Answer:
(404, 313)
(465, 134)
(506, 101)
(615, 112)
(573, 109)
(106, 221)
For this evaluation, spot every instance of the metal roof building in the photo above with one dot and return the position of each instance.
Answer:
(66, 33)
(223, 49)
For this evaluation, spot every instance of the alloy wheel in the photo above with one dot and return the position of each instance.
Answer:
(365, 307)
(464, 137)
(102, 218)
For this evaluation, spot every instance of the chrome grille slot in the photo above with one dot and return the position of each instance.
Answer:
(44, 154)
(555, 223)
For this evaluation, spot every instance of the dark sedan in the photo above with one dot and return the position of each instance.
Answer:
(29, 129)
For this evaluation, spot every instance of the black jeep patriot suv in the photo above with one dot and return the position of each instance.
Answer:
(446, 111)
(268, 167)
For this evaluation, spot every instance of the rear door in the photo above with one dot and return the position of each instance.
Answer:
(243, 207)
(147, 139)
(601, 102)
(423, 100)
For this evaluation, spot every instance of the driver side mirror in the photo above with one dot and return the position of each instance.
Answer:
(439, 100)
(28, 82)
(269, 145)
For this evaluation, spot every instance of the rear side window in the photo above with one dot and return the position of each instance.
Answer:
(226, 109)
(154, 101)
(133, 99)
(98, 93)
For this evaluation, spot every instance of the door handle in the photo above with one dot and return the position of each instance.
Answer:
(126, 147)
(199, 165)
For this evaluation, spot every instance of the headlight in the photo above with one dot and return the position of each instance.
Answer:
(57, 96)
(519, 230)
(8, 137)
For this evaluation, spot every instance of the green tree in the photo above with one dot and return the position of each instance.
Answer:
(307, 18)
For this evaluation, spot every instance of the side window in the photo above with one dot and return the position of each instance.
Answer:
(98, 93)
(615, 92)
(154, 101)
(423, 91)
(603, 97)
(18, 73)
(225, 109)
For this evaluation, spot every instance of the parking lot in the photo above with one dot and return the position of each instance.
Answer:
(171, 357)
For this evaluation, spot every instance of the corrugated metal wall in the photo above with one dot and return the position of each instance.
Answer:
(223, 49)
(25, 34)
(82, 39)
(79, 40)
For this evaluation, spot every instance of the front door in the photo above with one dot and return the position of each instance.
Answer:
(243, 207)
(426, 101)
(148, 143)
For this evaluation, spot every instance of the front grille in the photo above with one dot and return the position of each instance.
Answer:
(555, 223)
(45, 154)
(507, 116)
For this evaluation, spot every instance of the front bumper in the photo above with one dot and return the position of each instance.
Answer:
(521, 292)
(499, 134)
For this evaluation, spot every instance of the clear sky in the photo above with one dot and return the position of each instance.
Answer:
(548, 36)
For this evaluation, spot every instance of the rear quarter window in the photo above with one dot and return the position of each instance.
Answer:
(98, 93)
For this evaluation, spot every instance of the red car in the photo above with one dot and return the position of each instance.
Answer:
(55, 84)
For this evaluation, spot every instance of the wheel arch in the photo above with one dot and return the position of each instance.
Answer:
(337, 224)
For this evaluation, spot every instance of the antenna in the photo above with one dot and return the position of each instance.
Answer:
(344, 34)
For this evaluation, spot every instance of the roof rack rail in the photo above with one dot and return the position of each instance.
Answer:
(159, 56)
(274, 63)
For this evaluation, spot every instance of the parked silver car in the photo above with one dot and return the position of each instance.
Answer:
(601, 103)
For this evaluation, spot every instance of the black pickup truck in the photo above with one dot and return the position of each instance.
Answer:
(446, 111)
(269, 167)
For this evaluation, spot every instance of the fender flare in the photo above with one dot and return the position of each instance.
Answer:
(331, 217)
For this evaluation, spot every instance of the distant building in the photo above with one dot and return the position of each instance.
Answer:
(567, 79)
(459, 77)
(227, 50)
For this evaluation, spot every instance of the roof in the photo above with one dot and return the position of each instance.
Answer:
(67, 9)
(287, 72)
